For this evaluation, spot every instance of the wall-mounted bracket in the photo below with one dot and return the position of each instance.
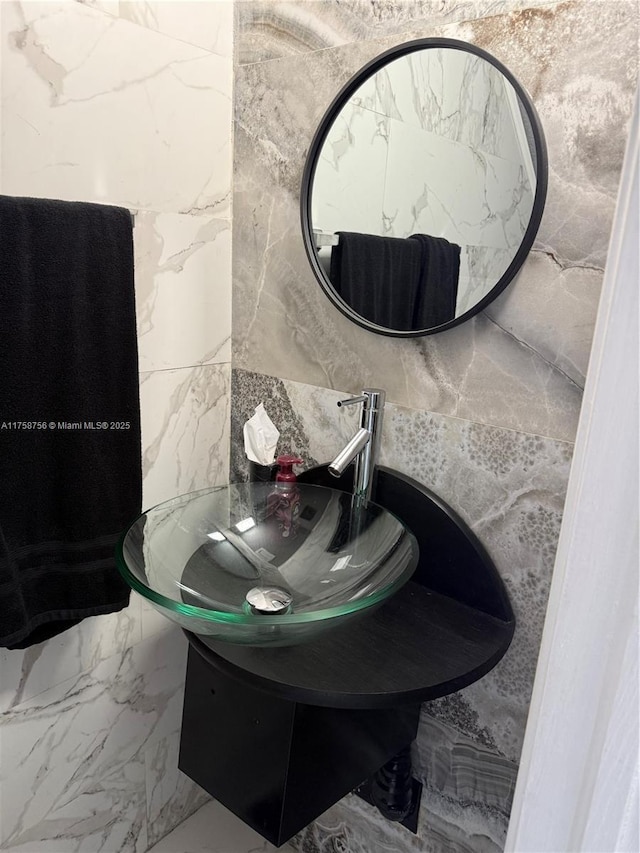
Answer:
(394, 791)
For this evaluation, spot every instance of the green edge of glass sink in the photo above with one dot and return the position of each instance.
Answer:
(197, 557)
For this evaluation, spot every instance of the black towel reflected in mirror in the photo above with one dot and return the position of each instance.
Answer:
(401, 283)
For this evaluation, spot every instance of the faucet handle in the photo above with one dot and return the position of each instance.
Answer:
(352, 400)
(373, 397)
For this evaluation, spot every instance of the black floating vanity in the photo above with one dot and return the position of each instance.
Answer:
(278, 735)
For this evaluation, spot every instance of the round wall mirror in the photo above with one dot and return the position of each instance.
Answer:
(423, 188)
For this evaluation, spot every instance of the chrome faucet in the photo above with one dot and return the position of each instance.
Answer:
(365, 444)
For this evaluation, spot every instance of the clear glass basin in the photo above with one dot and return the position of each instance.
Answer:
(245, 564)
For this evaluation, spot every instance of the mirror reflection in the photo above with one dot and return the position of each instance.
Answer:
(423, 189)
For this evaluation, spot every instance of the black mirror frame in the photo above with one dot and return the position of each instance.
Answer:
(542, 175)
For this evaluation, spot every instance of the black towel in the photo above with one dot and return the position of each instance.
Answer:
(436, 301)
(70, 459)
(403, 284)
(378, 277)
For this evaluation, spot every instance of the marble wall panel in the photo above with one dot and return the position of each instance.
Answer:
(208, 25)
(452, 93)
(100, 109)
(353, 155)
(528, 313)
(471, 202)
(513, 375)
(215, 829)
(183, 298)
(185, 434)
(310, 423)
(25, 673)
(444, 826)
(453, 765)
(510, 488)
(73, 758)
(113, 102)
(171, 796)
(270, 29)
(185, 418)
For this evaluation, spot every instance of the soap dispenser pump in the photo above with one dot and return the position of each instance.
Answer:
(285, 470)
(284, 500)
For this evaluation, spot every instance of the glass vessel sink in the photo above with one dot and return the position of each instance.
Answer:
(235, 564)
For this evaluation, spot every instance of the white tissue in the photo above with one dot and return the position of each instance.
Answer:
(260, 437)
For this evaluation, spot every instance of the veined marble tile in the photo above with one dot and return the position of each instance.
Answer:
(355, 150)
(97, 108)
(206, 24)
(171, 796)
(183, 290)
(452, 93)
(459, 768)
(510, 489)
(214, 829)
(579, 63)
(270, 29)
(25, 673)
(445, 826)
(111, 7)
(477, 200)
(73, 774)
(480, 268)
(529, 310)
(185, 430)
(107, 815)
(153, 622)
(450, 826)
(308, 419)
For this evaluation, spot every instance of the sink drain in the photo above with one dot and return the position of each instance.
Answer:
(268, 600)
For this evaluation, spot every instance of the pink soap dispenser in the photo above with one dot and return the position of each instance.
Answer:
(284, 501)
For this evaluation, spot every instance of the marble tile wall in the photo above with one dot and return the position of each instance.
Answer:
(129, 104)
(484, 414)
(508, 367)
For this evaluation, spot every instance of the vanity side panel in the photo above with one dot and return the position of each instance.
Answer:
(334, 750)
(235, 743)
(278, 764)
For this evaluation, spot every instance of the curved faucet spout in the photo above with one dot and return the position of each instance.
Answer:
(349, 453)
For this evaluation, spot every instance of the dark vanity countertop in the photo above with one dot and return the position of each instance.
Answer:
(418, 646)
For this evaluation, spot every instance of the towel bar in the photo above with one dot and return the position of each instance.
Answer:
(323, 238)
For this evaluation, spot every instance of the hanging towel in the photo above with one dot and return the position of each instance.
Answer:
(439, 274)
(403, 284)
(377, 277)
(70, 459)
